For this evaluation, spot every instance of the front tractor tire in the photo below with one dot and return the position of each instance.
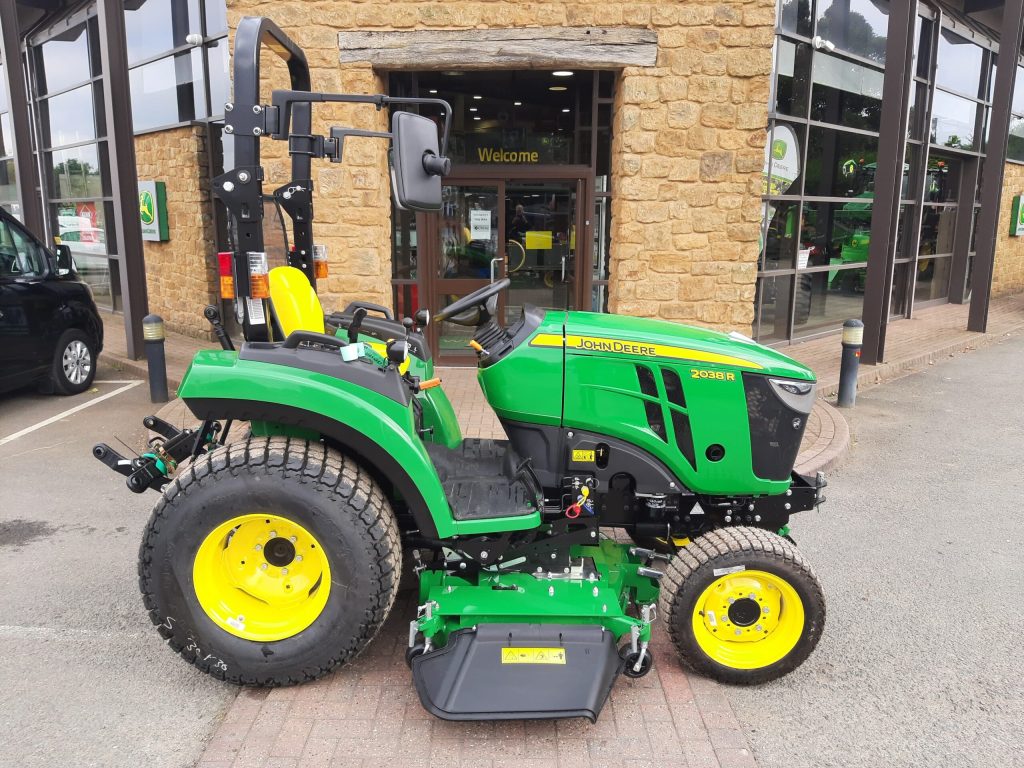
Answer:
(741, 605)
(270, 561)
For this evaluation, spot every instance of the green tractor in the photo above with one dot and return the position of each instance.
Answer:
(274, 556)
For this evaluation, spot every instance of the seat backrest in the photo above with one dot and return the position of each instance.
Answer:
(294, 301)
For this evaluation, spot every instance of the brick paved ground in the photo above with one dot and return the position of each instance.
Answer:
(367, 714)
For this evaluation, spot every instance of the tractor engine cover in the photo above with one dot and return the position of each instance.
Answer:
(519, 671)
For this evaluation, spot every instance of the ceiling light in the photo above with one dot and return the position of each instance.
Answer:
(565, 110)
(478, 97)
(477, 117)
(517, 103)
(433, 90)
(557, 88)
(472, 109)
(562, 73)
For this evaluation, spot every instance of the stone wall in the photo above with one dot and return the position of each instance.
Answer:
(687, 151)
(181, 274)
(1008, 269)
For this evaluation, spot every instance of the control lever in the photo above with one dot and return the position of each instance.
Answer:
(212, 314)
(357, 320)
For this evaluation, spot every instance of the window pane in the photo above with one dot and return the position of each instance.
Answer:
(795, 16)
(20, 256)
(63, 61)
(857, 26)
(599, 298)
(82, 227)
(846, 93)
(938, 226)
(602, 238)
(932, 279)
(218, 63)
(840, 164)
(953, 121)
(8, 182)
(3, 89)
(772, 308)
(468, 232)
(792, 64)
(826, 299)
(403, 245)
(782, 236)
(942, 184)
(68, 118)
(959, 64)
(155, 26)
(168, 91)
(216, 17)
(783, 157)
(76, 172)
(1018, 91)
(835, 234)
(6, 136)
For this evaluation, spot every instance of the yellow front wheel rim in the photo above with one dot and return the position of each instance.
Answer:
(261, 577)
(748, 619)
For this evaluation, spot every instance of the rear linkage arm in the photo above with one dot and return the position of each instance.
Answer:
(152, 469)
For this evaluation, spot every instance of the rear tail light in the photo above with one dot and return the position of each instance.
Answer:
(320, 261)
(259, 280)
(226, 273)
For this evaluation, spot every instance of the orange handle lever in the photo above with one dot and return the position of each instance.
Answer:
(430, 384)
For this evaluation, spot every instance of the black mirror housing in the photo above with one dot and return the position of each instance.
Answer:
(416, 163)
(65, 261)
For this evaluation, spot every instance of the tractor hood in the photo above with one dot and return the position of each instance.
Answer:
(640, 337)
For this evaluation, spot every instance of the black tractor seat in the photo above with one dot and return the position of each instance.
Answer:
(484, 479)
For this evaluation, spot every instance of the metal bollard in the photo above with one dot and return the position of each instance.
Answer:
(853, 340)
(153, 335)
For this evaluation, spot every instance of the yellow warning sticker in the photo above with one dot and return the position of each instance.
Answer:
(533, 655)
(581, 457)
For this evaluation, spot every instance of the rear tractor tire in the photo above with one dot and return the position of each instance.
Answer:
(741, 605)
(270, 561)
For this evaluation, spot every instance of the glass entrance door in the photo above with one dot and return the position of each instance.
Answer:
(488, 229)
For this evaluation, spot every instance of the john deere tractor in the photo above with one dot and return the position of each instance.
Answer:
(647, 473)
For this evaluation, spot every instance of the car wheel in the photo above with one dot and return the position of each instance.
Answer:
(74, 363)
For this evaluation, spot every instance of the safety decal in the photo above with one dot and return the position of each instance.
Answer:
(626, 347)
(583, 457)
(533, 655)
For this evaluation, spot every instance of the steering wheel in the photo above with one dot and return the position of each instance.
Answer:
(476, 308)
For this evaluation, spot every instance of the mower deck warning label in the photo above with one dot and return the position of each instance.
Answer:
(533, 655)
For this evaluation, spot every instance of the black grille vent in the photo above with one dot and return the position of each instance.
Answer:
(646, 379)
(684, 436)
(673, 387)
(655, 416)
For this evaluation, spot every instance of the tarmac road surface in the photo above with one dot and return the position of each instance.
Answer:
(85, 680)
(919, 551)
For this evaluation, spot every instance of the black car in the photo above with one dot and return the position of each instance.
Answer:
(50, 330)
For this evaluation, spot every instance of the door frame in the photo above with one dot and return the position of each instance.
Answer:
(498, 176)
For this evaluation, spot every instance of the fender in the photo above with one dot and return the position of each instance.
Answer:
(375, 428)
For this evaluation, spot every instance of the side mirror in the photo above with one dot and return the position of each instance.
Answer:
(416, 163)
(65, 262)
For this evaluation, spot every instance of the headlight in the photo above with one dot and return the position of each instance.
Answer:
(798, 395)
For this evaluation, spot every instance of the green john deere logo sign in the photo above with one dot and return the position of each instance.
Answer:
(153, 211)
(147, 208)
(779, 149)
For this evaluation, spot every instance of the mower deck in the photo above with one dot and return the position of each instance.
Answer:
(518, 645)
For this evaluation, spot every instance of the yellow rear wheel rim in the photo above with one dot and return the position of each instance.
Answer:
(748, 619)
(261, 577)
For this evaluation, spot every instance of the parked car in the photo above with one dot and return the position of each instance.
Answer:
(50, 329)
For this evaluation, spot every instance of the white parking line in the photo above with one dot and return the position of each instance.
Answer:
(114, 381)
(68, 412)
